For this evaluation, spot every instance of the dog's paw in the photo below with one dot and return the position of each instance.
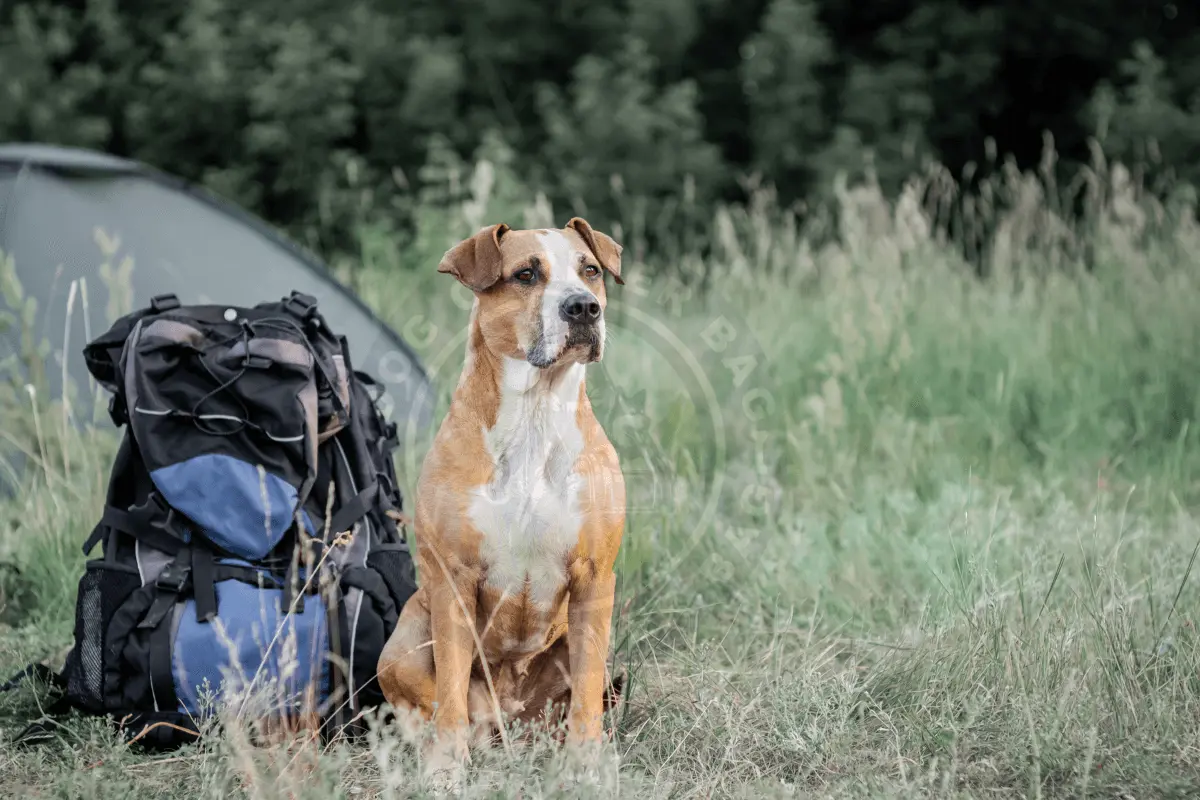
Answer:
(585, 750)
(588, 767)
(444, 769)
(446, 781)
(579, 782)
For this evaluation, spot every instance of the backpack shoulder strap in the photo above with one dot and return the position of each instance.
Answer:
(366, 472)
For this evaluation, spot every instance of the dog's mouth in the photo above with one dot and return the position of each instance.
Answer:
(582, 345)
(582, 336)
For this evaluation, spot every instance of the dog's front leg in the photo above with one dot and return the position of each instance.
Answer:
(589, 619)
(452, 615)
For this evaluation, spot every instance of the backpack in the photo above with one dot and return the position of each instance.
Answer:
(249, 546)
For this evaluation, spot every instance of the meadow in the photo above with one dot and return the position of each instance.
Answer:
(894, 531)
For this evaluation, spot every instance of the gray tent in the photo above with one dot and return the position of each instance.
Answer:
(59, 205)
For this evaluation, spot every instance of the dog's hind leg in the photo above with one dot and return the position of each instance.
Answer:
(406, 668)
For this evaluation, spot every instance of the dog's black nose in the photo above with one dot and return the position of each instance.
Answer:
(580, 308)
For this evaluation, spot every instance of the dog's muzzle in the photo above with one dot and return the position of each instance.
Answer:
(582, 314)
(584, 329)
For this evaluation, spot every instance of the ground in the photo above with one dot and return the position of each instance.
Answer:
(894, 531)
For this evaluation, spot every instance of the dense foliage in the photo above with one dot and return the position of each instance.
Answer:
(323, 115)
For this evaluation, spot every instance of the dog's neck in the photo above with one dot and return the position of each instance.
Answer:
(519, 405)
(533, 426)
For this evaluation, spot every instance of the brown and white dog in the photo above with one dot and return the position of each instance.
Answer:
(520, 507)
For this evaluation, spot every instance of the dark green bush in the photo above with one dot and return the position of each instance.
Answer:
(320, 116)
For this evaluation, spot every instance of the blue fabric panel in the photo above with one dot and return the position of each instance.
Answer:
(201, 656)
(225, 496)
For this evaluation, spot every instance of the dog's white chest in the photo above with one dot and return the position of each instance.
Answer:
(529, 514)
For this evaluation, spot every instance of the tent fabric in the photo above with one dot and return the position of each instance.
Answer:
(58, 206)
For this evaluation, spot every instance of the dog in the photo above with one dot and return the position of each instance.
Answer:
(520, 506)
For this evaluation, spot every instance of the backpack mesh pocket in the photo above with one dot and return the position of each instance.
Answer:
(103, 588)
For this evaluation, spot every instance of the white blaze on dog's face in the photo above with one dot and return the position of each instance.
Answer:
(540, 293)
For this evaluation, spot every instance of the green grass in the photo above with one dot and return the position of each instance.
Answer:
(899, 533)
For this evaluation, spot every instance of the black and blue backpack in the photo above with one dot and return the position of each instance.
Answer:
(249, 547)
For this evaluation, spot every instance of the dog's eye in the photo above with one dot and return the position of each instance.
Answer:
(526, 275)
(591, 270)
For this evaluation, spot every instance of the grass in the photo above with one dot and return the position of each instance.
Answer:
(894, 531)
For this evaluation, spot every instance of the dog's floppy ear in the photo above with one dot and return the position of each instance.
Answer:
(606, 251)
(476, 261)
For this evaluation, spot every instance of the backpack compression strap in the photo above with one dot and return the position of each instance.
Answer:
(36, 670)
(43, 728)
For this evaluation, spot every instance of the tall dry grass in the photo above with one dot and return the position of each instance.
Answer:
(895, 531)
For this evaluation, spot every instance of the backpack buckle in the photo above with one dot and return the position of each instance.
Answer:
(173, 578)
(164, 302)
(169, 583)
(302, 305)
(391, 438)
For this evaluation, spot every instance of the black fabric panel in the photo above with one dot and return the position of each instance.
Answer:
(126, 677)
(158, 665)
(376, 621)
(393, 564)
(103, 354)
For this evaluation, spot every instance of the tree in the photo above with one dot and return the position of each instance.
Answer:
(611, 122)
(782, 82)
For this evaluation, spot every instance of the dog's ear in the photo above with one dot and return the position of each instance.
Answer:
(476, 261)
(606, 251)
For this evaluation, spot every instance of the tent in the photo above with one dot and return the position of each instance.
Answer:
(62, 208)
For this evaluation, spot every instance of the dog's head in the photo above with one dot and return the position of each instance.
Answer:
(539, 293)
